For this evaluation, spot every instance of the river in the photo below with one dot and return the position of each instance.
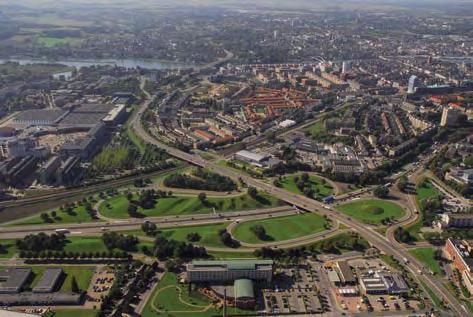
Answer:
(128, 63)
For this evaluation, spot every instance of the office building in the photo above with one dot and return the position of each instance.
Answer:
(229, 271)
(412, 84)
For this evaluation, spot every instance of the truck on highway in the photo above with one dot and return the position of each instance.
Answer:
(62, 231)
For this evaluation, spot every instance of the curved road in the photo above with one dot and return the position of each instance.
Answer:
(382, 243)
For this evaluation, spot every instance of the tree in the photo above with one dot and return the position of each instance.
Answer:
(260, 232)
(149, 228)
(132, 210)
(253, 192)
(74, 286)
(381, 192)
(403, 184)
(202, 198)
(193, 237)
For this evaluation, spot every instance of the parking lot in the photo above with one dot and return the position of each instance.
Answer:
(295, 291)
(100, 286)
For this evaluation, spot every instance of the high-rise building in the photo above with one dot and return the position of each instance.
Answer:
(449, 117)
(412, 85)
(346, 67)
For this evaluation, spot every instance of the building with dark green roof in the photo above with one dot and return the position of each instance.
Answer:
(244, 293)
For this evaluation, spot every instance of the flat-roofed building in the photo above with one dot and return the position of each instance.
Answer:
(384, 283)
(226, 271)
(333, 277)
(41, 299)
(457, 220)
(346, 274)
(373, 285)
(49, 281)
(13, 280)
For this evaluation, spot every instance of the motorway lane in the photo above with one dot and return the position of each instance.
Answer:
(135, 223)
(382, 243)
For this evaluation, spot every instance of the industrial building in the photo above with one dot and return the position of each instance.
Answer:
(49, 281)
(43, 299)
(251, 157)
(346, 274)
(13, 280)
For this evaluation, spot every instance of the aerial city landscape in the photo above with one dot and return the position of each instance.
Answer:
(204, 158)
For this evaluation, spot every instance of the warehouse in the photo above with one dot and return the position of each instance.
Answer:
(346, 275)
(44, 299)
(49, 281)
(13, 280)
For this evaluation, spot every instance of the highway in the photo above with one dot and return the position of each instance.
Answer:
(382, 243)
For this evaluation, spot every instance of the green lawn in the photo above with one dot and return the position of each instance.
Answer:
(372, 211)
(231, 255)
(54, 41)
(427, 257)
(181, 205)
(8, 249)
(427, 190)
(435, 299)
(74, 313)
(78, 215)
(316, 183)
(74, 244)
(208, 233)
(281, 228)
(85, 244)
(317, 128)
(172, 299)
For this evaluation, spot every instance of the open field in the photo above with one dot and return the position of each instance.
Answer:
(281, 228)
(427, 257)
(316, 183)
(74, 244)
(8, 249)
(372, 211)
(117, 207)
(53, 41)
(208, 233)
(78, 215)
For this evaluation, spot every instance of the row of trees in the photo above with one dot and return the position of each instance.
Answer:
(41, 242)
(201, 179)
(50, 254)
(166, 248)
(114, 240)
